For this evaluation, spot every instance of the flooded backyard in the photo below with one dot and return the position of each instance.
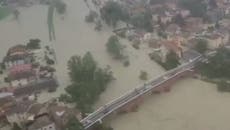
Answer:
(192, 104)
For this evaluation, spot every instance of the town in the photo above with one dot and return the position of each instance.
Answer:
(178, 35)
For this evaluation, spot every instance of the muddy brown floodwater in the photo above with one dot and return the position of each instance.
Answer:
(192, 104)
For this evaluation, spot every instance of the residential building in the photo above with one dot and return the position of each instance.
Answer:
(42, 122)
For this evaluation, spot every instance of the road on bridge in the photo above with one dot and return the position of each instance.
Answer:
(112, 106)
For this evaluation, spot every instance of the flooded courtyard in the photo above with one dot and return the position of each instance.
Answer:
(192, 104)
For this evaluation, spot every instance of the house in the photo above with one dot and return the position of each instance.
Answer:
(193, 25)
(17, 113)
(215, 40)
(49, 84)
(173, 29)
(62, 114)
(215, 15)
(171, 45)
(21, 75)
(42, 122)
(6, 101)
(19, 59)
(184, 13)
(17, 50)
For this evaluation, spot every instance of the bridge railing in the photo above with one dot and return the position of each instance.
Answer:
(136, 95)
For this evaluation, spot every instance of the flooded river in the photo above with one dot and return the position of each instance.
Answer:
(192, 104)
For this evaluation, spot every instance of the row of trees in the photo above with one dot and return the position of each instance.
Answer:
(198, 8)
(113, 12)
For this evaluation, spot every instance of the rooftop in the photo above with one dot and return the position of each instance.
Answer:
(40, 122)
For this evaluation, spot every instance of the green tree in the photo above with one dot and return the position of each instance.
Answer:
(88, 81)
(223, 86)
(60, 6)
(112, 12)
(91, 17)
(217, 65)
(201, 46)
(198, 8)
(16, 127)
(143, 75)
(34, 44)
(114, 47)
(172, 61)
(178, 19)
(73, 124)
(143, 21)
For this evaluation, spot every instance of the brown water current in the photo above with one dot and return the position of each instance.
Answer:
(191, 105)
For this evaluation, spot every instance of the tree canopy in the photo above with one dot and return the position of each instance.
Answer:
(217, 66)
(178, 19)
(16, 127)
(34, 44)
(172, 61)
(114, 47)
(74, 124)
(201, 46)
(87, 81)
(198, 8)
(112, 12)
(143, 21)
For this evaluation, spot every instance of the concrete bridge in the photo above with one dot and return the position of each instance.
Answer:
(132, 99)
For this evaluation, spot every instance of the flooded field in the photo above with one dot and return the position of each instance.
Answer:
(192, 104)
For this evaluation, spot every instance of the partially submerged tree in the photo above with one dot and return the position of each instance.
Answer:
(88, 81)
(73, 124)
(201, 46)
(91, 17)
(16, 127)
(112, 12)
(114, 47)
(172, 60)
(34, 44)
(143, 75)
(143, 21)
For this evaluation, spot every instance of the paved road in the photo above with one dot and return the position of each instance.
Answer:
(112, 106)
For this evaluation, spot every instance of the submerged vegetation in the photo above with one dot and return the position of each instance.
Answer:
(4, 12)
(60, 7)
(51, 23)
(114, 47)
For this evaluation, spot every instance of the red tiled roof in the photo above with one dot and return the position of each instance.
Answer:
(17, 48)
(172, 45)
(20, 68)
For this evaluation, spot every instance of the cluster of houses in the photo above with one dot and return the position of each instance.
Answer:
(25, 72)
(180, 35)
(30, 115)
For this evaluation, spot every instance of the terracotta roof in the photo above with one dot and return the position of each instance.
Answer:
(21, 75)
(34, 87)
(20, 68)
(20, 107)
(35, 108)
(40, 122)
(172, 45)
(17, 48)
(62, 114)
(15, 57)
